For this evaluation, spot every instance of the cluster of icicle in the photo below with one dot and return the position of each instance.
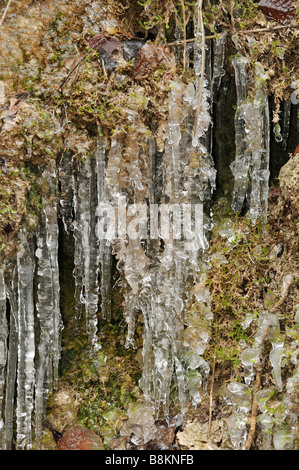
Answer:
(30, 339)
(251, 166)
(156, 271)
(127, 171)
(277, 422)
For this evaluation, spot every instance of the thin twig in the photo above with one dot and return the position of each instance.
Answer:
(282, 298)
(257, 386)
(203, 63)
(268, 30)
(180, 41)
(231, 11)
(211, 397)
(72, 71)
(254, 409)
(185, 34)
(5, 12)
(260, 30)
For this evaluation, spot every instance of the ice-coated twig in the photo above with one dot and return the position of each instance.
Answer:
(203, 64)
(257, 386)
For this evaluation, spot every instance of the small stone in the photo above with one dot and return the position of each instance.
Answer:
(78, 438)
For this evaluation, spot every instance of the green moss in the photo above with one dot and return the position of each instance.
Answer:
(105, 380)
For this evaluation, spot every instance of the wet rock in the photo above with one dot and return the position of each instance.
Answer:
(148, 59)
(289, 181)
(62, 410)
(165, 434)
(79, 438)
(109, 63)
(278, 9)
(121, 443)
(195, 436)
(131, 48)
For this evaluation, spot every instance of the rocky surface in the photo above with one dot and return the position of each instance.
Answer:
(79, 438)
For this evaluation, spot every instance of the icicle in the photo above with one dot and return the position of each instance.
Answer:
(276, 356)
(26, 344)
(200, 102)
(3, 354)
(240, 167)
(86, 248)
(156, 270)
(47, 306)
(12, 356)
(259, 143)
(164, 316)
(286, 123)
(237, 429)
(126, 191)
(277, 132)
(174, 135)
(105, 255)
(249, 358)
(218, 62)
(251, 166)
(238, 395)
(65, 175)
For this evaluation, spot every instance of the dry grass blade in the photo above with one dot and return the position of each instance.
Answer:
(5, 12)
(185, 34)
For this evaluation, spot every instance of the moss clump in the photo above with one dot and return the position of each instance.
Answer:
(245, 279)
(104, 382)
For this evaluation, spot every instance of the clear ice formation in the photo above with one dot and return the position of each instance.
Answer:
(125, 172)
(284, 439)
(286, 118)
(3, 352)
(48, 304)
(266, 423)
(276, 356)
(237, 429)
(34, 326)
(86, 248)
(156, 274)
(249, 358)
(26, 344)
(239, 395)
(218, 63)
(251, 166)
(262, 397)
